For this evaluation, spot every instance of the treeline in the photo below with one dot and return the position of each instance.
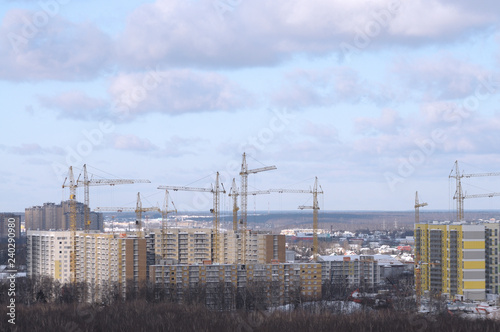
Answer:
(43, 304)
(140, 315)
(219, 296)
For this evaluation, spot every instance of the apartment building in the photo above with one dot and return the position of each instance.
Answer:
(109, 260)
(261, 248)
(275, 283)
(185, 245)
(102, 260)
(49, 254)
(195, 246)
(51, 216)
(354, 271)
(492, 246)
(452, 257)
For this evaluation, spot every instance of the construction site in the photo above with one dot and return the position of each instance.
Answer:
(128, 259)
(451, 261)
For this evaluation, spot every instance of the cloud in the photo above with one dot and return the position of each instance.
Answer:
(37, 46)
(331, 86)
(31, 149)
(177, 146)
(444, 78)
(389, 122)
(76, 105)
(263, 33)
(132, 142)
(175, 92)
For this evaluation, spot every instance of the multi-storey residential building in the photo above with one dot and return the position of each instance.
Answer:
(186, 245)
(195, 246)
(274, 283)
(354, 271)
(261, 248)
(51, 216)
(492, 246)
(108, 260)
(10, 218)
(452, 259)
(102, 260)
(49, 254)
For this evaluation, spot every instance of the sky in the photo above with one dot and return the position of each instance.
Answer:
(377, 99)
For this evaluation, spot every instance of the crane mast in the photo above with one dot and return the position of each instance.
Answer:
(418, 205)
(244, 197)
(216, 191)
(72, 185)
(234, 194)
(215, 212)
(315, 208)
(164, 228)
(418, 272)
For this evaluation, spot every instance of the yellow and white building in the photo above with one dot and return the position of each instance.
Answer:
(452, 259)
(49, 254)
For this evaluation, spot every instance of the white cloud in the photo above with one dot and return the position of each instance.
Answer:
(36, 46)
(132, 142)
(260, 32)
(446, 77)
(75, 104)
(30, 149)
(175, 92)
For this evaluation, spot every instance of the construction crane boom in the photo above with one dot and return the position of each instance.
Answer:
(174, 188)
(215, 190)
(291, 191)
(86, 182)
(138, 212)
(482, 195)
(459, 194)
(244, 197)
(475, 175)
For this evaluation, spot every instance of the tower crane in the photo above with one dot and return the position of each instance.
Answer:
(244, 196)
(138, 212)
(418, 205)
(315, 207)
(418, 272)
(459, 195)
(99, 182)
(164, 215)
(215, 190)
(72, 185)
(234, 193)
